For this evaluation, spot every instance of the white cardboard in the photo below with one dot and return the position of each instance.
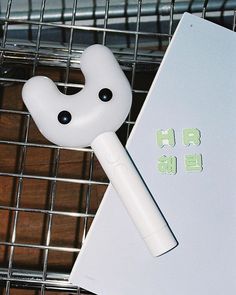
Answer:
(194, 88)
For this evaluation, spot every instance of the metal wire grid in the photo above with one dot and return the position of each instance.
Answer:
(136, 57)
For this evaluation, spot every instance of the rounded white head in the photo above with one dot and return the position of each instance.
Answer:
(76, 120)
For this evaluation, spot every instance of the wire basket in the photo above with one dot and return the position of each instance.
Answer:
(48, 194)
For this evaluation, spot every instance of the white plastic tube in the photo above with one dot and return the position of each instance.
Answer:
(133, 193)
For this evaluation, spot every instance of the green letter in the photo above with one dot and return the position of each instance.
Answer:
(165, 137)
(167, 165)
(193, 163)
(191, 136)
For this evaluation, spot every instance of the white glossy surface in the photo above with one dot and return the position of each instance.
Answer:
(90, 115)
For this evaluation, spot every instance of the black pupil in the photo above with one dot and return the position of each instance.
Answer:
(64, 117)
(105, 94)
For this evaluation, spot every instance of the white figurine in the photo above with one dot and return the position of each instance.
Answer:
(91, 117)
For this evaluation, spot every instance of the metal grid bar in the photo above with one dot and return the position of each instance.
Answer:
(52, 195)
(105, 22)
(234, 22)
(41, 247)
(204, 8)
(4, 37)
(88, 197)
(135, 59)
(42, 10)
(50, 178)
(50, 211)
(82, 28)
(21, 163)
(172, 6)
(139, 7)
(72, 26)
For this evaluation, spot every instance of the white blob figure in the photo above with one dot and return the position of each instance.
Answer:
(90, 118)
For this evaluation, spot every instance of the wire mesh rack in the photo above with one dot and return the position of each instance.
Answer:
(48, 194)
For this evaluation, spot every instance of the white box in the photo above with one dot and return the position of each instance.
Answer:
(195, 88)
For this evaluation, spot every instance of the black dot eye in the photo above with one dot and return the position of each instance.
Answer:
(64, 117)
(105, 94)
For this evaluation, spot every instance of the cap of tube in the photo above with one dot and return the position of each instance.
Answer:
(161, 241)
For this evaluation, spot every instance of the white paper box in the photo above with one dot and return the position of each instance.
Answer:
(194, 88)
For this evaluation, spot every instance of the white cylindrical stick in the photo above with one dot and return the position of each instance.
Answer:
(133, 192)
